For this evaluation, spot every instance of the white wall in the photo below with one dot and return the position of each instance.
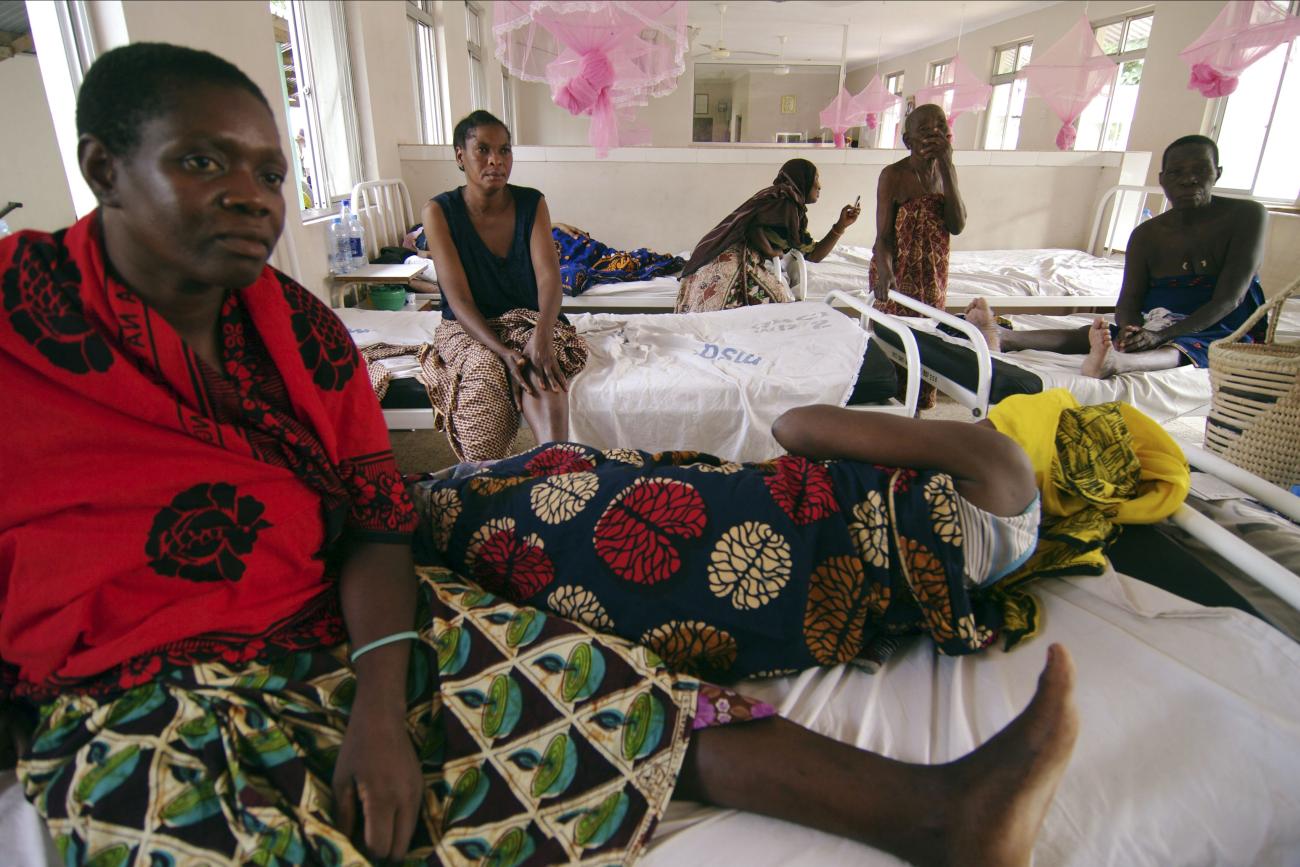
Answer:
(31, 170)
(1165, 110)
(539, 121)
(812, 92)
(667, 198)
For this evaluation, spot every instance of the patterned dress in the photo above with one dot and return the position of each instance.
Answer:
(738, 277)
(920, 263)
(725, 570)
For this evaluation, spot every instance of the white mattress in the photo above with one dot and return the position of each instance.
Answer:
(1188, 752)
(986, 272)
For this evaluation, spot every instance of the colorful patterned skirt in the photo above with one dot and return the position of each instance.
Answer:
(737, 278)
(540, 741)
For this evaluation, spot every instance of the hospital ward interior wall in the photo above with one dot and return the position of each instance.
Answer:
(31, 170)
(1165, 109)
(667, 198)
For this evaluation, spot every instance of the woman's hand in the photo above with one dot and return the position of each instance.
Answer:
(885, 281)
(377, 768)
(848, 216)
(1134, 338)
(937, 146)
(517, 369)
(540, 351)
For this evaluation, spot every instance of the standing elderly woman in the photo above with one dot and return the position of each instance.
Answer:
(502, 346)
(728, 266)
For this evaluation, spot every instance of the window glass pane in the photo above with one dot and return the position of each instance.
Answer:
(1139, 33)
(999, 107)
(1091, 122)
(1122, 106)
(1279, 173)
(1245, 123)
(1109, 35)
(1006, 61)
(471, 26)
(1025, 51)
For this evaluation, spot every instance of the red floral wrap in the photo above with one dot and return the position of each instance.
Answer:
(158, 511)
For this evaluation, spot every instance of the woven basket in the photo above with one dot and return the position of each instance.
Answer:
(1254, 419)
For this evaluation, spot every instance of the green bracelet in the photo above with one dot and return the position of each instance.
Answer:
(380, 642)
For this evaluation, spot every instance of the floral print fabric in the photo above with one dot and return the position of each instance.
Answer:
(540, 741)
(725, 570)
(738, 277)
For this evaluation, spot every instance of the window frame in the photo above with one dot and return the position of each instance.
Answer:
(935, 66)
(304, 60)
(1120, 57)
(474, 48)
(894, 82)
(1007, 78)
(1220, 111)
(427, 73)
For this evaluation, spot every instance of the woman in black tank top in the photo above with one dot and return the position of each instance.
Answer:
(503, 344)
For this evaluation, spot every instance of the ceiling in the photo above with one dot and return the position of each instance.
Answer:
(815, 28)
(13, 16)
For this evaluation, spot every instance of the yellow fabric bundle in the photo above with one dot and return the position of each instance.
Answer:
(1096, 467)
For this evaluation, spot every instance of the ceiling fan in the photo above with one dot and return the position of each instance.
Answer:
(719, 50)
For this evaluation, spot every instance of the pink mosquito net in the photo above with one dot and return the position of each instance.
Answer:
(874, 99)
(1243, 33)
(601, 59)
(1069, 75)
(963, 93)
(840, 115)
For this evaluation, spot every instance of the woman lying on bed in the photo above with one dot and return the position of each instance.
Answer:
(213, 623)
(728, 267)
(873, 527)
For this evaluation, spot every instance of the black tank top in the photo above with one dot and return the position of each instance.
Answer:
(496, 284)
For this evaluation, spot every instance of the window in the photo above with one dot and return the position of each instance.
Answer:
(1104, 124)
(887, 132)
(1002, 130)
(1257, 138)
(474, 44)
(940, 72)
(507, 99)
(317, 89)
(425, 67)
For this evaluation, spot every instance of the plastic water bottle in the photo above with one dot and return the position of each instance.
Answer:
(357, 242)
(339, 248)
(1146, 214)
(4, 228)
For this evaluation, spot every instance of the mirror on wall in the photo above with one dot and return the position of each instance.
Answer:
(761, 102)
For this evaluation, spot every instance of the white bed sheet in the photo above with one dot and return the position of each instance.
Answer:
(986, 272)
(708, 381)
(1188, 752)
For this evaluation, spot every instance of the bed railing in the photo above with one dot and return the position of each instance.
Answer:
(976, 401)
(911, 351)
(385, 210)
(1131, 214)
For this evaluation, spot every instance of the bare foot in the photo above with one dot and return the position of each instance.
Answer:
(983, 318)
(1100, 362)
(1005, 787)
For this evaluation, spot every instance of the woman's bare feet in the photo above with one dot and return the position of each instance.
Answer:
(982, 317)
(1008, 783)
(1100, 362)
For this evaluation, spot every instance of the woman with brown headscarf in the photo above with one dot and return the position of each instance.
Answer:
(727, 268)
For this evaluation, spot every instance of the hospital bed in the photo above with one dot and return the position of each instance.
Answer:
(1028, 280)
(712, 382)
